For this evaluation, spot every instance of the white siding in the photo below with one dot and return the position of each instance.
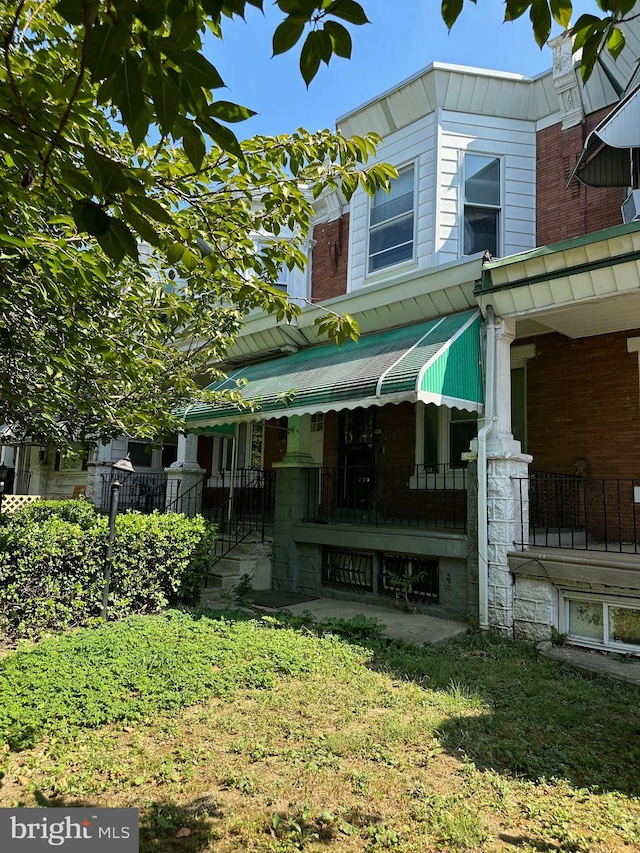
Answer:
(414, 144)
(436, 144)
(512, 140)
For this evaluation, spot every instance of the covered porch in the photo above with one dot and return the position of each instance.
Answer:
(365, 445)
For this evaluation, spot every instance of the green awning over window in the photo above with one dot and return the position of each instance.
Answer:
(436, 362)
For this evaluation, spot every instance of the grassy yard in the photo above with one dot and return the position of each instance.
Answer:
(255, 735)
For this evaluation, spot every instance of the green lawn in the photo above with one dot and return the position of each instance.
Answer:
(260, 735)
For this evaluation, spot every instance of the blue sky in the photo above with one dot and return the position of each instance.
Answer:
(403, 37)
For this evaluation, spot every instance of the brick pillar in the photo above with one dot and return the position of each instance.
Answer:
(293, 482)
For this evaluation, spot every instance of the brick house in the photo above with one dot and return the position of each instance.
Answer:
(382, 481)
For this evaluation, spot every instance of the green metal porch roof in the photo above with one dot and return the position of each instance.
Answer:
(436, 362)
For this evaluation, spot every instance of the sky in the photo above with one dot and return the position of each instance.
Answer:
(403, 37)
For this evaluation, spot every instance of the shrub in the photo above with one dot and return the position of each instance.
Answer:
(52, 565)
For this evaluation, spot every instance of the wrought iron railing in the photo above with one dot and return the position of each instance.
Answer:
(582, 513)
(417, 495)
(238, 509)
(142, 492)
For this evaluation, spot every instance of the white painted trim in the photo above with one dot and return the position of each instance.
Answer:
(520, 355)
(404, 354)
(450, 402)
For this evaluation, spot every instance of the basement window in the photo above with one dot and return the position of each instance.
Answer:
(608, 623)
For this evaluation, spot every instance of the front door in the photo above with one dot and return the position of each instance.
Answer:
(356, 459)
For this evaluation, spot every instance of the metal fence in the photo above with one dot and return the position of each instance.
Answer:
(142, 492)
(417, 495)
(582, 513)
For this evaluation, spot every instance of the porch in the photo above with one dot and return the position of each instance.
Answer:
(567, 511)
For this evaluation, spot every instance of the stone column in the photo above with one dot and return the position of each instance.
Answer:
(507, 490)
(185, 478)
(98, 469)
(294, 481)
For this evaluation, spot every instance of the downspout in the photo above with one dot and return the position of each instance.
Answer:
(483, 433)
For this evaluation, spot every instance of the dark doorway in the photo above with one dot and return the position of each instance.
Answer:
(356, 459)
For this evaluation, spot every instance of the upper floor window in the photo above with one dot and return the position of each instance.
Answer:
(482, 201)
(391, 223)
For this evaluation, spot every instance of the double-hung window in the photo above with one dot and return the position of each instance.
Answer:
(391, 223)
(482, 203)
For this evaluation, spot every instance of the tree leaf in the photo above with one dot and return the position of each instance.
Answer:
(227, 111)
(198, 69)
(349, 11)
(310, 58)
(340, 38)
(515, 8)
(108, 175)
(540, 16)
(221, 135)
(102, 54)
(90, 218)
(118, 241)
(562, 11)
(150, 207)
(184, 28)
(287, 34)
(616, 42)
(127, 92)
(194, 146)
(144, 228)
(166, 100)
(450, 11)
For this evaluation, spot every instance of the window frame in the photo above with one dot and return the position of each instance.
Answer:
(464, 204)
(453, 473)
(413, 165)
(607, 601)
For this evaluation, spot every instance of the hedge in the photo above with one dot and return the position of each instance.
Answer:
(52, 559)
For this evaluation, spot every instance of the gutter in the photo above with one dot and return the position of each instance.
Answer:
(486, 430)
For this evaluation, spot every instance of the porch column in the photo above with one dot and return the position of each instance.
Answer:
(185, 478)
(97, 470)
(507, 510)
(294, 476)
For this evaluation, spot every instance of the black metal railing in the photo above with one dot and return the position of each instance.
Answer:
(582, 513)
(417, 495)
(238, 508)
(142, 492)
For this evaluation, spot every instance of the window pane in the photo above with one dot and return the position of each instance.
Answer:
(480, 230)
(169, 454)
(462, 429)
(391, 220)
(393, 256)
(394, 234)
(624, 625)
(482, 179)
(140, 454)
(585, 620)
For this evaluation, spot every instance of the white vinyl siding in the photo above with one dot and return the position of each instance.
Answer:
(412, 147)
(513, 141)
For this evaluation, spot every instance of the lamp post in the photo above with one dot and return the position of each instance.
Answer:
(4, 473)
(124, 466)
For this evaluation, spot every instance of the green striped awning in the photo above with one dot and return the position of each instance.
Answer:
(436, 362)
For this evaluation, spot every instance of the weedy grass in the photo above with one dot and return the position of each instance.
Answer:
(273, 735)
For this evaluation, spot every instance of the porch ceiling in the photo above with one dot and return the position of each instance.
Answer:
(436, 362)
(581, 287)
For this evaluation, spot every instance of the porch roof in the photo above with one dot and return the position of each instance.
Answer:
(437, 361)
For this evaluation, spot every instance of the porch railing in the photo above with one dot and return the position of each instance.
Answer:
(237, 512)
(414, 495)
(143, 492)
(582, 513)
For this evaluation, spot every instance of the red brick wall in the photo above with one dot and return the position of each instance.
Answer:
(275, 442)
(583, 402)
(570, 212)
(329, 259)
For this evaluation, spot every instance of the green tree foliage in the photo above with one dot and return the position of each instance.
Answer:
(113, 138)
(113, 135)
